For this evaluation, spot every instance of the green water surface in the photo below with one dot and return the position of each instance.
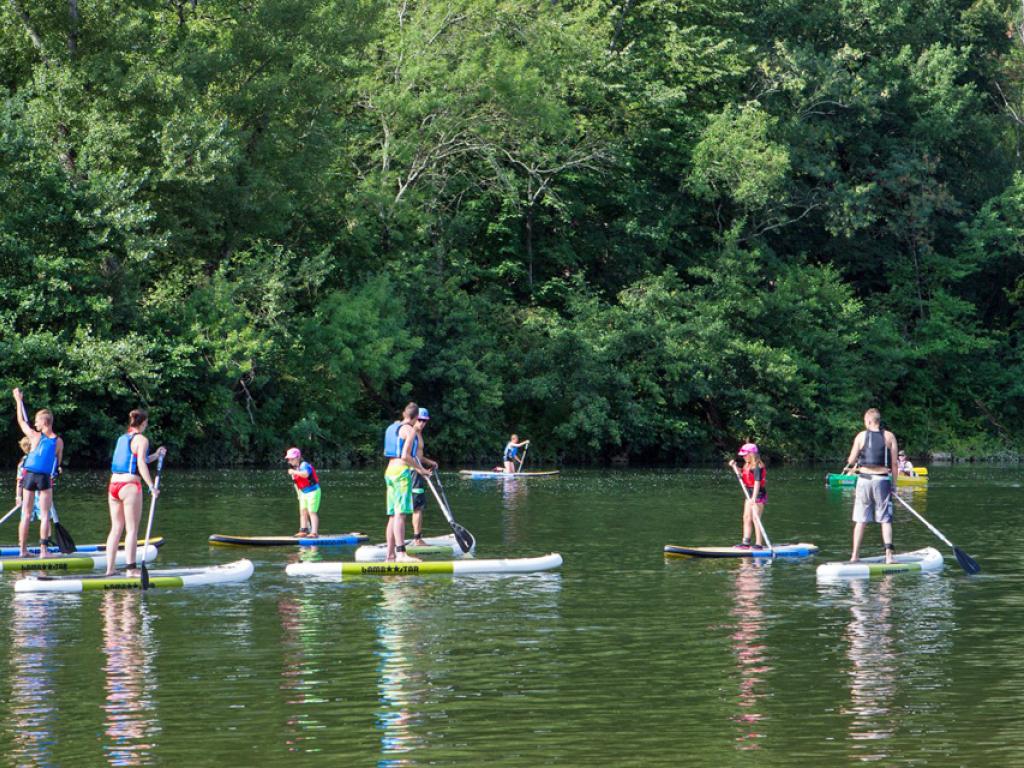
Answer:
(620, 658)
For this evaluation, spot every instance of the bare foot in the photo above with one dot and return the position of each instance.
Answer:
(854, 559)
(23, 553)
(402, 557)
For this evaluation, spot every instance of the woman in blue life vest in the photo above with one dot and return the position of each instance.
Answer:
(307, 487)
(42, 465)
(129, 468)
(754, 476)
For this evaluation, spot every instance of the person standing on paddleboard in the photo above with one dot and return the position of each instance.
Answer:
(400, 444)
(307, 487)
(37, 513)
(419, 496)
(42, 464)
(129, 467)
(874, 455)
(511, 451)
(754, 475)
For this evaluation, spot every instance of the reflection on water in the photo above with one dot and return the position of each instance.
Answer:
(401, 683)
(300, 615)
(130, 721)
(752, 657)
(895, 622)
(33, 699)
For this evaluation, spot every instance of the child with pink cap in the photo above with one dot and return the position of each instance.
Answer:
(753, 476)
(307, 487)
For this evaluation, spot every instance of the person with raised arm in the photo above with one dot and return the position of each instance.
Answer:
(42, 464)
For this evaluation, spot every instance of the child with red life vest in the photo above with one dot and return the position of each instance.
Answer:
(753, 475)
(307, 487)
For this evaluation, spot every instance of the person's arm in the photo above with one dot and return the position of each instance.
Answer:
(17, 485)
(141, 448)
(408, 458)
(423, 453)
(894, 459)
(758, 475)
(851, 460)
(300, 472)
(158, 453)
(27, 429)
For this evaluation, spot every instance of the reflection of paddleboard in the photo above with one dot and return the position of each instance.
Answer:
(480, 474)
(781, 550)
(919, 561)
(10, 550)
(338, 570)
(834, 480)
(240, 570)
(436, 545)
(323, 540)
(72, 562)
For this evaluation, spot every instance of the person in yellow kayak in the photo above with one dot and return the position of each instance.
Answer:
(905, 467)
(874, 454)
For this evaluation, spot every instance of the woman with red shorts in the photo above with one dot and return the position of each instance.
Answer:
(129, 468)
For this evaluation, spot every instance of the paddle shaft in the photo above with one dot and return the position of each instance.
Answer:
(149, 525)
(523, 459)
(930, 527)
(13, 510)
(753, 512)
(462, 536)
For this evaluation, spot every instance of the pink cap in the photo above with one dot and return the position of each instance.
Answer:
(748, 448)
(292, 453)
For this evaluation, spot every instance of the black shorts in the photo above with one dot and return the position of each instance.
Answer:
(419, 492)
(36, 481)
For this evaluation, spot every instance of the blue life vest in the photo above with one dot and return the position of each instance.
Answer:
(124, 461)
(394, 445)
(510, 452)
(43, 458)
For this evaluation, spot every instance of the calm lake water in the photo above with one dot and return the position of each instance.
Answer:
(621, 658)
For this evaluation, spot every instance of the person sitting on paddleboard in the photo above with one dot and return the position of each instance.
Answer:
(754, 476)
(41, 465)
(400, 445)
(875, 455)
(129, 468)
(511, 451)
(904, 465)
(307, 488)
(419, 496)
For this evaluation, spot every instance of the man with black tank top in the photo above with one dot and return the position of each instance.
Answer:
(874, 456)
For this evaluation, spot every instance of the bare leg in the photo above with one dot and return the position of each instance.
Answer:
(27, 500)
(114, 537)
(887, 541)
(45, 502)
(389, 533)
(417, 525)
(858, 535)
(402, 557)
(510, 467)
(748, 523)
(758, 510)
(132, 515)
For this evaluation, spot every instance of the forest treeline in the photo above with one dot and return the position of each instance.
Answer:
(626, 229)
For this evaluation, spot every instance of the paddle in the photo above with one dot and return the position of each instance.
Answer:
(523, 459)
(757, 517)
(149, 526)
(462, 536)
(13, 510)
(967, 562)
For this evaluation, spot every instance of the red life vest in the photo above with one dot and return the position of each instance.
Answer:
(749, 478)
(307, 484)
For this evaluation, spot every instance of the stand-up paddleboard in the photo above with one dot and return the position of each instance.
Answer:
(483, 474)
(435, 545)
(338, 570)
(803, 549)
(73, 562)
(835, 480)
(12, 550)
(323, 540)
(920, 561)
(240, 570)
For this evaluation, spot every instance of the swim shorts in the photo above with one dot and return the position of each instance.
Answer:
(399, 482)
(873, 503)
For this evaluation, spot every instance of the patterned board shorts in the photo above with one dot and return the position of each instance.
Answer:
(399, 484)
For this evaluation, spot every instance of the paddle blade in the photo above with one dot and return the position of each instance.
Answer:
(463, 537)
(144, 574)
(63, 539)
(968, 563)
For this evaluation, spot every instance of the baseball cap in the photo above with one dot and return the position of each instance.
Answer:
(748, 448)
(292, 453)
(424, 415)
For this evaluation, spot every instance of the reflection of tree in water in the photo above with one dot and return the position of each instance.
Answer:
(33, 695)
(895, 624)
(401, 682)
(751, 654)
(129, 713)
(299, 673)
